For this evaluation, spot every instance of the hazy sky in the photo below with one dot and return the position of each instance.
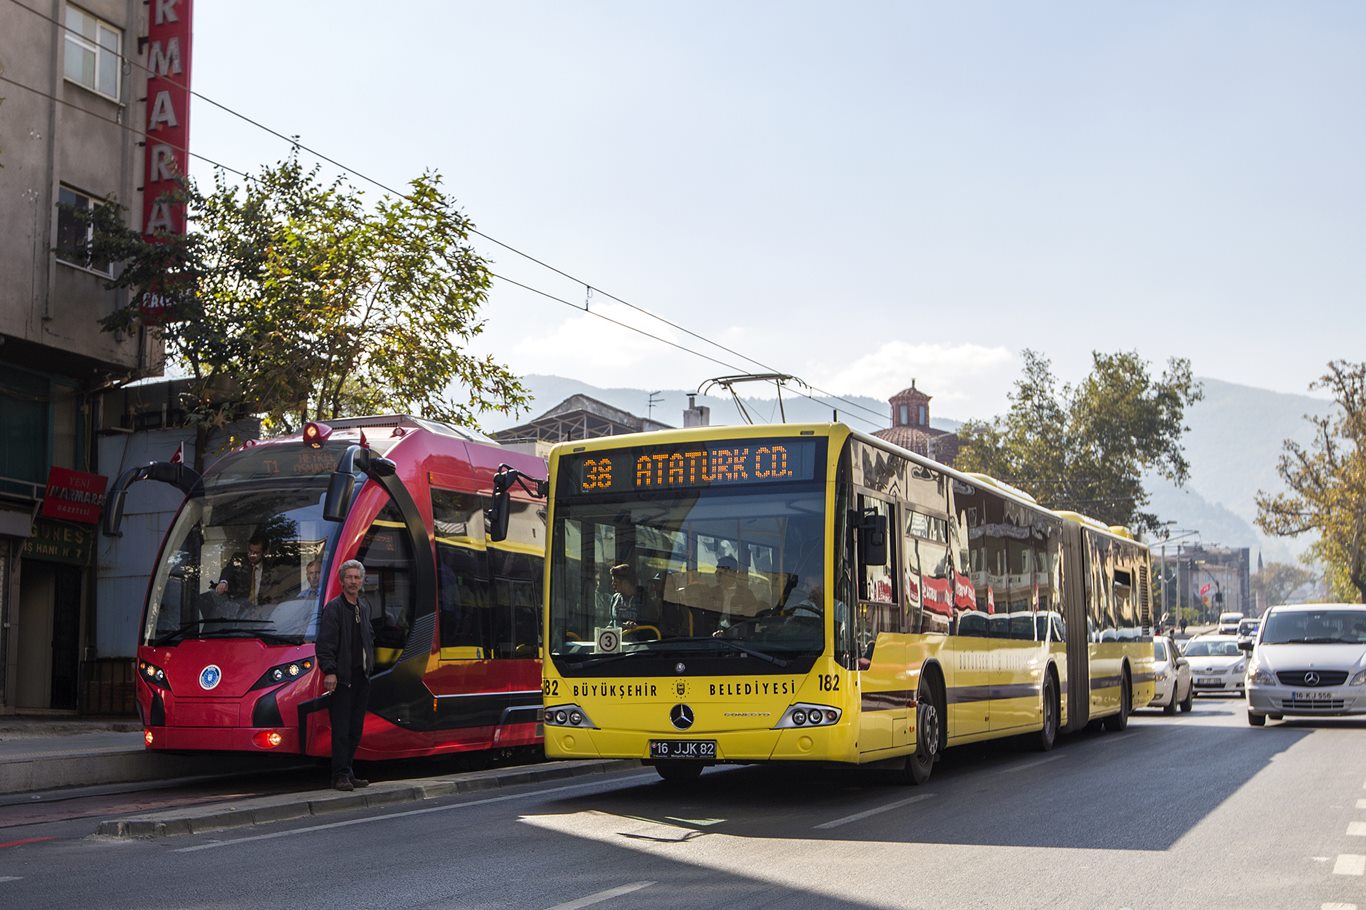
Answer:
(856, 193)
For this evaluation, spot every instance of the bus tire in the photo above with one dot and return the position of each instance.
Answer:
(928, 734)
(679, 772)
(1048, 735)
(1117, 722)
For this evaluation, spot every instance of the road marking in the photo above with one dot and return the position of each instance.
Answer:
(859, 816)
(1338, 907)
(607, 895)
(1361, 804)
(9, 878)
(379, 818)
(1350, 864)
(27, 840)
(1356, 829)
(1032, 764)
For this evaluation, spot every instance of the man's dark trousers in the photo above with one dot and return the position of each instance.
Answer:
(348, 720)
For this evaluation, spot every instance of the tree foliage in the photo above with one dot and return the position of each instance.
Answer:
(1326, 484)
(314, 303)
(1085, 448)
(1281, 583)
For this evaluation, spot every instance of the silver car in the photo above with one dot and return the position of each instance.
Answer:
(1172, 673)
(1308, 660)
(1216, 664)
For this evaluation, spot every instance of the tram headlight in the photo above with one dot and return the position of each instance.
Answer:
(568, 716)
(808, 715)
(295, 669)
(153, 675)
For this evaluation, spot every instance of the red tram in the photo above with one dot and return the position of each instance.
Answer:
(226, 654)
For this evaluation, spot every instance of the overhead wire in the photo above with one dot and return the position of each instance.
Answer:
(296, 143)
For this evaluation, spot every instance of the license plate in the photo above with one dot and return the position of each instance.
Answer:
(683, 748)
(1319, 695)
(1206, 681)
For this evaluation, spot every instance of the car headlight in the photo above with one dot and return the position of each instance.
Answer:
(1239, 667)
(1261, 675)
(1358, 679)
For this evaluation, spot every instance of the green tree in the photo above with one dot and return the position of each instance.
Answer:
(1326, 485)
(1279, 583)
(313, 303)
(1085, 448)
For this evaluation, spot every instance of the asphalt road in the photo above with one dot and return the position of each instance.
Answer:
(1194, 811)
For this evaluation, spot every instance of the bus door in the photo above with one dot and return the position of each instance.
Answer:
(881, 657)
(1079, 630)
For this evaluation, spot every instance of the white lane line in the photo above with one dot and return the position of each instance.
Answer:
(607, 895)
(859, 816)
(10, 878)
(1361, 804)
(1350, 864)
(1337, 907)
(380, 818)
(1356, 829)
(1032, 764)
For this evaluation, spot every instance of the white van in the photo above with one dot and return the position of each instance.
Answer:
(1228, 623)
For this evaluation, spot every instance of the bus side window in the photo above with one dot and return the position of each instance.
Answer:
(387, 554)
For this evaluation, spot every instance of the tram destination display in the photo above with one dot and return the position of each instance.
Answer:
(698, 465)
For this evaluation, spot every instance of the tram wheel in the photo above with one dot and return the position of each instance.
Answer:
(1049, 734)
(679, 772)
(1117, 722)
(928, 732)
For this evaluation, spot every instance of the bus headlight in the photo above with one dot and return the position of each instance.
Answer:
(568, 716)
(808, 715)
(284, 672)
(153, 675)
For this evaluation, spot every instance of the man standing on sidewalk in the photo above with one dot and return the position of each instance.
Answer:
(346, 655)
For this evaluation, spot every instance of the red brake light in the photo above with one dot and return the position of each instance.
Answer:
(315, 433)
(147, 736)
(267, 739)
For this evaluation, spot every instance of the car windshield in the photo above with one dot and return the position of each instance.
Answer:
(1206, 648)
(1159, 649)
(1315, 627)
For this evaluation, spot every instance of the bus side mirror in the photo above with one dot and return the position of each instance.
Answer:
(496, 515)
(338, 499)
(872, 539)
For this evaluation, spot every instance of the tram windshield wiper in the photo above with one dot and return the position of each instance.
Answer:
(177, 634)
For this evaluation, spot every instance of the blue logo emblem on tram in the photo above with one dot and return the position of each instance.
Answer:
(210, 676)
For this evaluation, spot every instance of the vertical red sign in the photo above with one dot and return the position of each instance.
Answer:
(168, 121)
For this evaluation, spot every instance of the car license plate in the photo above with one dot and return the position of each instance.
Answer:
(683, 748)
(1209, 681)
(1318, 695)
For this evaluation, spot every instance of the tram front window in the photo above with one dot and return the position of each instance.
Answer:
(242, 564)
(715, 572)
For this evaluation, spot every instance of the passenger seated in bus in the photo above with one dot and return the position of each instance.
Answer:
(731, 599)
(627, 597)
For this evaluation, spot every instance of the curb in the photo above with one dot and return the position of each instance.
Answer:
(287, 807)
(26, 773)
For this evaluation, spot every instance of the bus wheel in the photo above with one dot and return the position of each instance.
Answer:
(679, 772)
(1116, 722)
(928, 722)
(1049, 734)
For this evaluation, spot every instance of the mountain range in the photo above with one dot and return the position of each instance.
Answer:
(1235, 437)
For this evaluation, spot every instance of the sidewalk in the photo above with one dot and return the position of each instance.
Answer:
(51, 753)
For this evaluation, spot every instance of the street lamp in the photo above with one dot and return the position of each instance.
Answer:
(1167, 537)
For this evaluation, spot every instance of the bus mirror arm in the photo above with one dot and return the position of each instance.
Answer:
(179, 475)
(496, 516)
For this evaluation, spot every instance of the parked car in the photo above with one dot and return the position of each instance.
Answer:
(1217, 664)
(1228, 623)
(1173, 674)
(1307, 660)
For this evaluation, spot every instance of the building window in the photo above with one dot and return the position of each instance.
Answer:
(904, 416)
(924, 417)
(75, 230)
(93, 50)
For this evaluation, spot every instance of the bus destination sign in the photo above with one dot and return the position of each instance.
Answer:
(650, 468)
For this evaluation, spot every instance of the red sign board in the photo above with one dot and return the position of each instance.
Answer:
(167, 153)
(74, 495)
(1204, 589)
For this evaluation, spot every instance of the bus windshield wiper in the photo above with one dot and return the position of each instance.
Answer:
(179, 633)
(743, 649)
(608, 658)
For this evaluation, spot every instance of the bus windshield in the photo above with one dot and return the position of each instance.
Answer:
(732, 572)
(244, 560)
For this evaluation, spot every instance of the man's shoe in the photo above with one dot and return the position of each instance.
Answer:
(359, 782)
(342, 782)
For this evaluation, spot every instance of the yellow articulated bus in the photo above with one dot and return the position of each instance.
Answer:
(812, 593)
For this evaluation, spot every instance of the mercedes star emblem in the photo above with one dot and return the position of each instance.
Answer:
(680, 667)
(1311, 678)
(681, 716)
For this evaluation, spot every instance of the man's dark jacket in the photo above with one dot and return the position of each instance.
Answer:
(334, 638)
